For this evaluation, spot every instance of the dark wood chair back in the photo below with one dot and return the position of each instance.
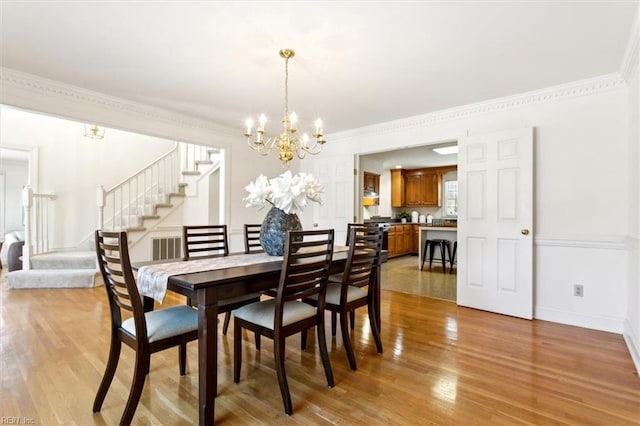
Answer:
(205, 241)
(252, 238)
(362, 261)
(112, 251)
(306, 264)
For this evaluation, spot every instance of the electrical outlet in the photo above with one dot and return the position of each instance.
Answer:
(578, 290)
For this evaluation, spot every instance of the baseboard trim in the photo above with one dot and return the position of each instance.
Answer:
(602, 323)
(632, 344)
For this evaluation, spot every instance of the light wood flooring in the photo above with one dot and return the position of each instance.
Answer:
(442, 365)
(402, 274)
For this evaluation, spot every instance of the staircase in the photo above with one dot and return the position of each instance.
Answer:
(136, 205)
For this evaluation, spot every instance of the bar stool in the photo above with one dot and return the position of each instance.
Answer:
(452, 258)
(430, 245)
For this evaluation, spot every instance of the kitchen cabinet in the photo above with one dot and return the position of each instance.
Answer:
(423, 188)
(415, 247)
(407, 239)
(401, 238)
(397, 188)
(371, 182)
(371, 189)
(418, 187)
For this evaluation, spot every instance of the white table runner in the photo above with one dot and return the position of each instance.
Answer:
(153, 279)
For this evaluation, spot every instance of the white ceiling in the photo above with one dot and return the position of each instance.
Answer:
(357, 63)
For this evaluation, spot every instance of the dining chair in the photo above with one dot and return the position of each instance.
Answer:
(144, 332)
(305, 271)
(372, 229)
(252, 238)
(207, 241)
(357, 288)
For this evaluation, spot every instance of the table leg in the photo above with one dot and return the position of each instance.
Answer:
(207, 354)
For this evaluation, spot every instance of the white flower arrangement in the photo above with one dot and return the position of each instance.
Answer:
(287, 192)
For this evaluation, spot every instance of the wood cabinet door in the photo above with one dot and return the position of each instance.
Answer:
(370, 182)
(430, 186)
(397, 188)
(407, 239)
(415, 243)
(393, 242)
(413, 189)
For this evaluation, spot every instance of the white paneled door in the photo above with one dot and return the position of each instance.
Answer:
(495, 234)
(336, 174)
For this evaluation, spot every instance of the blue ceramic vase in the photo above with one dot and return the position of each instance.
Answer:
(273, 232)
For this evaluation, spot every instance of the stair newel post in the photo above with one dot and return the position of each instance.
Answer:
(27, 203)
(100, 201)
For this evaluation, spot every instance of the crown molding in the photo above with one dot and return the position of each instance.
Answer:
(629, 65)
(33, 84)
(537, 97)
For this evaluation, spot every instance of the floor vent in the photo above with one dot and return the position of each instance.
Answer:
(166, 248)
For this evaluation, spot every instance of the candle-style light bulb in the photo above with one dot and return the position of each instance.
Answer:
(305, 140)
(262, 120)
(318, 124)
(249, 124)
(293, 118)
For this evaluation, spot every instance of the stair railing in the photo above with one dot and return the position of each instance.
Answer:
(122, 206)
(39, 210)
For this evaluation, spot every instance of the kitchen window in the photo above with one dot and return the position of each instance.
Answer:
(450, 190)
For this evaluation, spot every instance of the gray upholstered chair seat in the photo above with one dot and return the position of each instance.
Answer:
(333, 294)
(167, 322)
(263, 313)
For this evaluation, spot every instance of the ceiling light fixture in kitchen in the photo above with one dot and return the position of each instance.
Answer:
(446, 150)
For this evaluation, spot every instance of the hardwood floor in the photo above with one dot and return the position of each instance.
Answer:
(441, 365)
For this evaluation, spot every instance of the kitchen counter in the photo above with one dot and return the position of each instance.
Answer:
(435, 232)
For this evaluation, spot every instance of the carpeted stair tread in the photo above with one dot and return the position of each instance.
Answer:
(65, 260)
(51, 278)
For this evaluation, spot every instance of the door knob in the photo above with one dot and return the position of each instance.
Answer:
(524, 232)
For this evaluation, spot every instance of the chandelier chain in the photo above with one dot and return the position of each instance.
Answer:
(286, 87)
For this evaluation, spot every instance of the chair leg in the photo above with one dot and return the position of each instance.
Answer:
(432, 249)
(256, 337)
(424, 254)
(237, 350)
(225, 325)
(373, 321)
(444, 257)
(110, 370)
(334, 320)
(139, 374)
(352, 316)
(278, 343)
(303, 339)
(346, 340)
(182, 357)
(452, 258)
(322, 344)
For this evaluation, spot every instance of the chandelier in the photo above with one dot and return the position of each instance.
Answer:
(288, 142)
(93, 131)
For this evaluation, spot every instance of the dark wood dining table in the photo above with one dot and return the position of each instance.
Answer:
(205, 289)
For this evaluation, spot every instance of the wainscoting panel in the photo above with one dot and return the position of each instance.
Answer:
(599, 266)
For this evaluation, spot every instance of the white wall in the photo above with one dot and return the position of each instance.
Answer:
(16, 175)
(581, 153)
(632, 325)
